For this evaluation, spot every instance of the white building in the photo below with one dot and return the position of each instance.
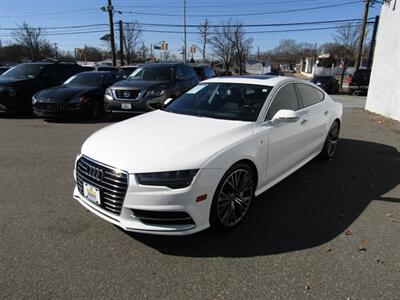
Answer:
(384, 88)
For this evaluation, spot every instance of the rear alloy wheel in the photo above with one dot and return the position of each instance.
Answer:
(233, 197)
(331, 141)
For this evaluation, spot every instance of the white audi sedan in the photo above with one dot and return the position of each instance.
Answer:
(202, 159)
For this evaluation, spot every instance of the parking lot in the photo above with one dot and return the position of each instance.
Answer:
(330, 230)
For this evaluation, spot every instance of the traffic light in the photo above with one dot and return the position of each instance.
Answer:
(164, 46)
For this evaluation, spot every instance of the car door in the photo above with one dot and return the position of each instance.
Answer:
(315, 117)
(284, 140)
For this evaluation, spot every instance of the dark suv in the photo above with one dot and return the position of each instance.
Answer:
(148, 87)
(20, 83)
(359, 82)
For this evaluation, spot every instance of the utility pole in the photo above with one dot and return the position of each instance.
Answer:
(110, 10)
(373, 41)
(121, 42)
(362, 34)
(55, 50)
(184, 34)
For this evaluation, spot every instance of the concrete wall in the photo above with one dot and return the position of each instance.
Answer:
(384, 88)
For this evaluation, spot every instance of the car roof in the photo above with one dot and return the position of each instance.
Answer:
(254, 79)
(99, 72)
(164, 64)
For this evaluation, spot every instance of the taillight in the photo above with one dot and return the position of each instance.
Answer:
(350, 80)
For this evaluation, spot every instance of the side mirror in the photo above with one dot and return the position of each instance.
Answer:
(285, 116)
(168, 100)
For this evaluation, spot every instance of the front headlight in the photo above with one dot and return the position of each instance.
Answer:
(10, 91)
(108, 94)
(155, 93)
(171, 179)
(33, 99)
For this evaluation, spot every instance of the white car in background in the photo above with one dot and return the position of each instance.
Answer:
(201, 160)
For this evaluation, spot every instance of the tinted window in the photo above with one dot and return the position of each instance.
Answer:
(87, 78)
(113, 78)
(231, 101)
(310, 95)
(50, 73)
(286, 98)
(107, 69)
(24, 71)
(189, 72)
(66, 71)
(156, 73)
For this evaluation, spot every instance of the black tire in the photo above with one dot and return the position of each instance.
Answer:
(95, 109)
(331, 141)
(228, 202)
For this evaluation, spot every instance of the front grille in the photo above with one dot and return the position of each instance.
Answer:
(127, 94)
(112, 183)
(163, 217)
(51, 107)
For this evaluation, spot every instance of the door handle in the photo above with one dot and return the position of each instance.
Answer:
(326, 112)
(304, 122)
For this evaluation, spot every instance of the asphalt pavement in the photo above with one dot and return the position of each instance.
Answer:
(329, 231)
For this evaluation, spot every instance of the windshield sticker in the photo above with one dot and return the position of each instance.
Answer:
(196, 89)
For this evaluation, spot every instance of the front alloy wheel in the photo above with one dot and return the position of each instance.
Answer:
(331, 141)
(233, 197)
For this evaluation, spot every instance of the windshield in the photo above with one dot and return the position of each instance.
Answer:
(23, 71)
(153, 73)
(91, 79)
(232, 101)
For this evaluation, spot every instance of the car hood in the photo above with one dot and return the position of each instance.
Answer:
(63, 93)
(141, 84)
(161, 141)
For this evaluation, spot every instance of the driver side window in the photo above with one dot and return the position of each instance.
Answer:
(285, 98)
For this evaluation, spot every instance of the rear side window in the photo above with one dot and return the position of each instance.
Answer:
(66, 71)
(310, 95)
(189, 72)
(286, 98)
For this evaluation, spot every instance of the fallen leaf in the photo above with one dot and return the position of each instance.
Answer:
(362, 249)
(395, 221)
(307, 287)
(365, 242)
(328, 249)
(348, 232)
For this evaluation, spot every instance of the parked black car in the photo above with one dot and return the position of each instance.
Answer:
(148, 87)
(203, 72)
(359, 82)
(328, 83)
(20, 83)
(81, 94)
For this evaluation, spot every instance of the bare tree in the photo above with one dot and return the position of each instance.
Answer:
(30, 41)
(345, 46)
(132, 33)
(221, 42)
(241, 46)
(204, 29)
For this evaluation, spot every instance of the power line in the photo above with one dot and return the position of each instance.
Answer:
(244, 14)
(194, 32)
(196, 26)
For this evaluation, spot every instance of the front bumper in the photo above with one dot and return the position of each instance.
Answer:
(134, 106)
(45, 109)
(161, 200)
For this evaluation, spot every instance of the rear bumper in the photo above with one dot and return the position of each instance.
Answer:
(358, 87)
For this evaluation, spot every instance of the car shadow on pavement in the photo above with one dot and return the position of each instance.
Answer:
(307, 209)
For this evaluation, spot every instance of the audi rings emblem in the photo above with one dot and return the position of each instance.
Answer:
(95, 173)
